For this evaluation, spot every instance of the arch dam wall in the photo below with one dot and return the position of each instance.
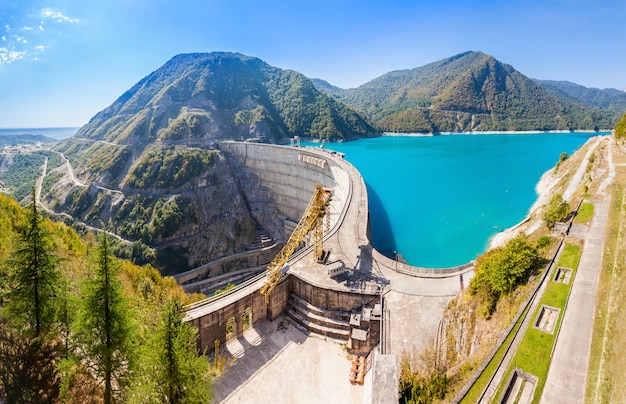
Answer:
(278, 182)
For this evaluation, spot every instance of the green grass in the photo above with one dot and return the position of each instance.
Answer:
(585, 213)
(534, 352)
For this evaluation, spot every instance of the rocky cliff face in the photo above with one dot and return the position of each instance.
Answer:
(173, 226)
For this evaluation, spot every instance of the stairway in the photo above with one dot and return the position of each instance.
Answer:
(327, 323)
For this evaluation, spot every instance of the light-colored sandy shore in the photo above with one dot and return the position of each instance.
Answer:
(544, 188)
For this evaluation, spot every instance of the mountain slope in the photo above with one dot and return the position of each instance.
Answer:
(145, 167)
(466, 92)
(199, 97)
(610, 99)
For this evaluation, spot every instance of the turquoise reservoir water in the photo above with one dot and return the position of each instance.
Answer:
(438, 200)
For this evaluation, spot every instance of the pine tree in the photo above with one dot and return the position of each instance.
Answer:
(29, 343)
(172, 370)
(33, 278)
(103, 332)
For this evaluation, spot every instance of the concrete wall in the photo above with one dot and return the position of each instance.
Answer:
(278, 181)
(331, 299)
(228, 264)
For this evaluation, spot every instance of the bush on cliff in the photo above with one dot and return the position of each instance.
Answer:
(499, 271)
(620, 129)
(556, 211)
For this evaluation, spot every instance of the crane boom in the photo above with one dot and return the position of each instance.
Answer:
(312, 219)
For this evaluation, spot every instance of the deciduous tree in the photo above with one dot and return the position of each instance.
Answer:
(556, 211)
(620, 128)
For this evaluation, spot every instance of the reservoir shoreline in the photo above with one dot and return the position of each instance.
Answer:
(441, 200)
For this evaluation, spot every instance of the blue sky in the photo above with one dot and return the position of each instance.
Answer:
(63, 61)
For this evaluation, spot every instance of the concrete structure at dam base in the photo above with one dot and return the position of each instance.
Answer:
(358, 300)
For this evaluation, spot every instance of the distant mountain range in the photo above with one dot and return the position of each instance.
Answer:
(472, 91)
(610, 99)
(26, 138)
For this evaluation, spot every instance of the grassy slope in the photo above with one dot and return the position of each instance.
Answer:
(535, 351)
(606, 379)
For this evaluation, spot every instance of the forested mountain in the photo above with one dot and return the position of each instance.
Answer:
(146, 167)
(609, 98)
(471, 91)
(198, 97)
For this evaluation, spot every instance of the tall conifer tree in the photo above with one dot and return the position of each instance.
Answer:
(33, 278)
(29, 343)
(103, 332)
(172, 371)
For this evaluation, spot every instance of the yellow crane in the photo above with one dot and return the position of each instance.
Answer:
(312, 219)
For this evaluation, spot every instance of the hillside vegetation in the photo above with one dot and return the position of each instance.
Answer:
(57, 344)
(609, 98)
(471, 91)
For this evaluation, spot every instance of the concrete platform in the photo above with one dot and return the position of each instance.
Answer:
(277, 363)
(567, 376)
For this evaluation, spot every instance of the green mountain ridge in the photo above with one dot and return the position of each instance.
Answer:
(609, 98)
(471, 91)
(214, 96)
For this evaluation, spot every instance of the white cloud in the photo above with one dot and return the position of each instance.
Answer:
(30, 39)
(9, 56)
(57, 16)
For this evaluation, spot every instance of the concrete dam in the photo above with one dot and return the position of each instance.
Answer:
(358, 297)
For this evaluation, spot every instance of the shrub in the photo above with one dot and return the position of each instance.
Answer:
(556, 211)
(501, 270)
(620, 129)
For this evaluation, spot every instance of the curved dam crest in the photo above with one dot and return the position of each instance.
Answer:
(351, 307)
(278, 182)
